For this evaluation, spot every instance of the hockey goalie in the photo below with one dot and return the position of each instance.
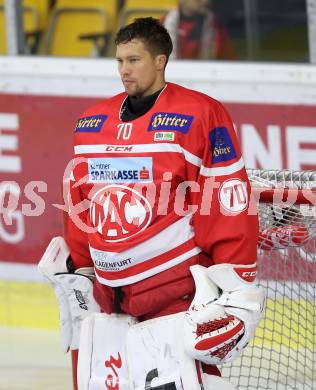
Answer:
(155, 275)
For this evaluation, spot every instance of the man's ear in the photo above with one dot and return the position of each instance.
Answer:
(161, 61)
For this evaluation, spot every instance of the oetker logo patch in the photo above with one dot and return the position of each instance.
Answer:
(90, 124)
(222, 147)
(164, 121)
(119, 212)
(233, 195)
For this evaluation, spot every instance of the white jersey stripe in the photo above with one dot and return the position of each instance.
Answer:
(222, 171)
(153, 271)
(140, 148)
(160, 148)
(168, 239)
(192, 158)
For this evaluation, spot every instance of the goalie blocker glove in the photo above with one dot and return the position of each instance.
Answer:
(73, 290)
(224, 313)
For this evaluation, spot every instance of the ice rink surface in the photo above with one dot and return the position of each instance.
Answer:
(32, 360)
(281, 357)
(30, 351)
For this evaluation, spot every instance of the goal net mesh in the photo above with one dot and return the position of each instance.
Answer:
(282, 355)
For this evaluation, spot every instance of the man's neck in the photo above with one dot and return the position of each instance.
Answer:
(134, 106)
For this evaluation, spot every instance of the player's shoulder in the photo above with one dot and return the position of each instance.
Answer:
(193, 97)
(104, 106)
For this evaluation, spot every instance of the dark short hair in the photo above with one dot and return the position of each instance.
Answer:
(154, 35)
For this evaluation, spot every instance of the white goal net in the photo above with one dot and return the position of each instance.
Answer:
(282, 355)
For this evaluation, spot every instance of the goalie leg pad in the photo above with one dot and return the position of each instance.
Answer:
(117, 353)
(102, 360)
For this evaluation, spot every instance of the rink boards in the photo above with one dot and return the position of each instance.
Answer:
(33, 305)
(280, 357)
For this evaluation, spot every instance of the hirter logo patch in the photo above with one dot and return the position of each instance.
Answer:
(90, 124)
(164, 121)
(222, 147)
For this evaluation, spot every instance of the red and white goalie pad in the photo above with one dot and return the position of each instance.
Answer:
(116, 353)
(219, 325)
(102, 359)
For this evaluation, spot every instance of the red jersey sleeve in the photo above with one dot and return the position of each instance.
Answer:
(75, 229)
(224, 226)
(75, 224)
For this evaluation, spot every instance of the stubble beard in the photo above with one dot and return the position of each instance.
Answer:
(134, 91)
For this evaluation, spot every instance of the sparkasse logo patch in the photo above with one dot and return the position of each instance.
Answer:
(120, 170)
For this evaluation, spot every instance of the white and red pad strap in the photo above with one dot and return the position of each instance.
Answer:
(219, 325)
(102, 360)
(116, 353)
(73, 291)
(154, 342)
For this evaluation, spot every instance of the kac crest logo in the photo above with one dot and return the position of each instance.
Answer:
(119, 212)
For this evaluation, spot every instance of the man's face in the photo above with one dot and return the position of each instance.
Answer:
(139, 71)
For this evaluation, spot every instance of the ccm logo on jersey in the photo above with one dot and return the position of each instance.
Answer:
(170, 121)
(90, 124)
(118, 148)
(233, 196)
(222, 147)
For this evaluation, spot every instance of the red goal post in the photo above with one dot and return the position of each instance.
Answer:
(283, 353)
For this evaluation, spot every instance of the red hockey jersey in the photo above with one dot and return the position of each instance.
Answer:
(158, 190)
